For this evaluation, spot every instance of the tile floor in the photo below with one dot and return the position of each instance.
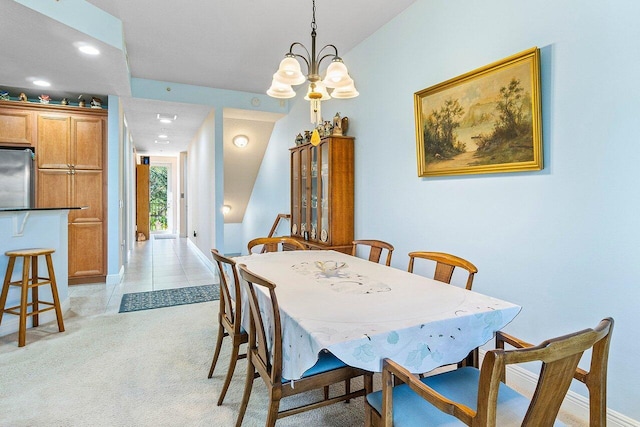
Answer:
(158, 263)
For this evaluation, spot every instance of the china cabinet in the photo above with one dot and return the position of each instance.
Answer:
(322, 193)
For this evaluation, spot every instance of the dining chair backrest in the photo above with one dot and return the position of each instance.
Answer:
(230, 304)
(559, 359)
(266, 350)
(595, 379)
(445, 265)
(375, 251)
(275, 244)
(229, 318)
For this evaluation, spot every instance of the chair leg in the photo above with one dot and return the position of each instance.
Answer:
(347, 388)
(248, 385)
(232, 367)
(218, 346)
(272, 416)
(5, 286)
(22, 329)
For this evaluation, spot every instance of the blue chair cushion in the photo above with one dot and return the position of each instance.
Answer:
(326, 362)
(460, 385)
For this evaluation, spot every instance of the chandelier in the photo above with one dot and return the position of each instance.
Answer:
(289, 74)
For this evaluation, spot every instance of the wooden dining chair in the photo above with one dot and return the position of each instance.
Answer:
(229, 317)
(275, 244)
(267, 361)
(375, 251)
(445, 265)
(481, 398)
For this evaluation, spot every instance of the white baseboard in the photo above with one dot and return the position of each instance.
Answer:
(208, 262)
(114, 279)
(575, 405)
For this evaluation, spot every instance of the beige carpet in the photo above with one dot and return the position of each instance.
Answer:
(146, 368)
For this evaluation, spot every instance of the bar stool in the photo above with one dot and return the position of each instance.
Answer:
(30, 258)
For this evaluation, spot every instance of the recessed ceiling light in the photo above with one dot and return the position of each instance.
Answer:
(42, 83)
(240, 141)
(162, 142)
(166, 118)
(89, 50)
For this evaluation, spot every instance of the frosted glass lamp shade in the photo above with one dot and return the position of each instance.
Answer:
(345, 92)
(289, 72)
(279, 90)
(337, 75)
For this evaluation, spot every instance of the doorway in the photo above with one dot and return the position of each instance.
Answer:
(161, 198)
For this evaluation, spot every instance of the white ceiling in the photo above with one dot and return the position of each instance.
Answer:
(223, 44)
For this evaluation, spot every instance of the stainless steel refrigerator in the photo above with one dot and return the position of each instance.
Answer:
(17, 178)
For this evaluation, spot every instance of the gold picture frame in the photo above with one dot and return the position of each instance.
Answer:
(484, 121)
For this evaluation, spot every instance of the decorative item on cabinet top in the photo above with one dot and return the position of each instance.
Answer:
(31, 97)
(338, 127)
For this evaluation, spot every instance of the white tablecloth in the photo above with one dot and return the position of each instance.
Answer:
(363, 312)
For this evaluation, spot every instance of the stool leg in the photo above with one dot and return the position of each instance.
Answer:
(54, 293)
(34, 290)
(5, 286)
(22, 332)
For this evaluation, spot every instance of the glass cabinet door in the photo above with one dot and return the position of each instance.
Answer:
(304, 187)
(324, 193)
(313, 232)
(295, 193)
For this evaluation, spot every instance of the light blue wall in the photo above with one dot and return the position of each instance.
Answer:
(562, 242)
(114, 195)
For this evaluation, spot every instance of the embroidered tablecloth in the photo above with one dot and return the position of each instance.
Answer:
(364, 312)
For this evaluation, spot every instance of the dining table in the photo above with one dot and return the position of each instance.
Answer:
(363, 312)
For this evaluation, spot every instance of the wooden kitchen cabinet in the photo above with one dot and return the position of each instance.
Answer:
(322, 201)
(17, 126)
(70, 153)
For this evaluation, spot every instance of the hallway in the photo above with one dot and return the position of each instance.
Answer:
(159, 263)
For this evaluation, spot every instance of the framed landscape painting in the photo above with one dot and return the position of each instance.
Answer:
(484, 121)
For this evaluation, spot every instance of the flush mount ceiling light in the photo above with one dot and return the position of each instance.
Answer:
(226, 209)
(289, 74)
(240, 141)
(88, 49)
(42, 83)
(163, 136)
(166, 141)
(166, 118)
